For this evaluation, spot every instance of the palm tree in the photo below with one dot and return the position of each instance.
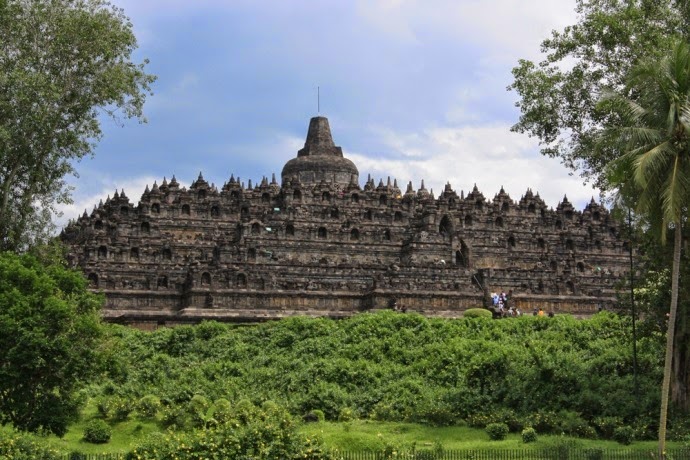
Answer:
(649, 135)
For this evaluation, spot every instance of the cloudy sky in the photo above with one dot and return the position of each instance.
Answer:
(413, 90)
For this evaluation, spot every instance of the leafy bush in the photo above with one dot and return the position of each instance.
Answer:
(573, 424)
(346, 414)
(624, 435)
(544, 422)
(501, 415)
(607, 425)
(16, 446)
(197, 409)
(49, 331)
(272, 433)
(121, 407)
(97, 432)
(497, 431)
(221, 411)
(114, 407)
(148, 406)
(104, 407)
(529, 434)
(434, 412)
(393, 367)
(477, 313)
(244, 411)
(174, 417)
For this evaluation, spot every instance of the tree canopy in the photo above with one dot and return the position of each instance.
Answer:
(49, 328)
(652, 141)
(558, 96)
(63, 64)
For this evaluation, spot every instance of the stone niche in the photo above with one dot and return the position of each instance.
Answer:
(321, 244)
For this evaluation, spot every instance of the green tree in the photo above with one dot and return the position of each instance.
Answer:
(653, 140)
(558, 96)
(49, 331)
(63, 63)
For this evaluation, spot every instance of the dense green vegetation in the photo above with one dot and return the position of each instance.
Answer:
(378, 378)
(49, 329)
(555, 374)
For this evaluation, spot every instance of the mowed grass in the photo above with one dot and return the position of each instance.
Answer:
(356, 435)
(360, 435)
(126, 435)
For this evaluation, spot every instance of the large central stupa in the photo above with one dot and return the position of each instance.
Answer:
(320, 159)
(322, 244)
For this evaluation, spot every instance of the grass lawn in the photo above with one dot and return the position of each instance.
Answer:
(356, 435)
(126, 435)
(361, 435)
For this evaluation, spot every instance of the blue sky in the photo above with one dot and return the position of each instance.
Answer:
(413, 90)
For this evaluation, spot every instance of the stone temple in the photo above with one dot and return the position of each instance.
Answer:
(320, 244)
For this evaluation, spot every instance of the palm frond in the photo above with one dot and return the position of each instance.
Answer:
(648, 164)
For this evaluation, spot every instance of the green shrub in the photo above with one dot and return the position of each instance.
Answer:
(529, 434)
(121, 408)
(346, 414)
(244, 410)
(114, 407)
(148, 406)
(497, 431)
(607, 425)
(624, 435)
(197, 409)
(155, 445)
(174, 417)
(385, 411)
(269, 435)
(221, 411)
(434, 413)
(104, 407)
(477, 313)
(16, 446)
(97, 432)
(544, 421)
(507, 416)
(573, 424)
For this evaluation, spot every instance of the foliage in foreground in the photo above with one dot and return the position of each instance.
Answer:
(18, 446)
(49, 328)
(653, 173)
(558, 375)
(266, 432)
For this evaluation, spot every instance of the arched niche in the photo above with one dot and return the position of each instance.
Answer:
(445, 228)
(462, 255)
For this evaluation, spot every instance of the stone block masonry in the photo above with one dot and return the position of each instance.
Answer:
(320, 244)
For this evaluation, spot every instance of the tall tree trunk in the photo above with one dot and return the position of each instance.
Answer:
(675, 272)
(681, 366)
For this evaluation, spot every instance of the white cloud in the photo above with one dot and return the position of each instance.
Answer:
(513, 25)
(488, 155)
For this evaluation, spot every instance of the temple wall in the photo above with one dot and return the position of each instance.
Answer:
(326, 246)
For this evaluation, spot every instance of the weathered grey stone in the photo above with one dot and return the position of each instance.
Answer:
(319, 244)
